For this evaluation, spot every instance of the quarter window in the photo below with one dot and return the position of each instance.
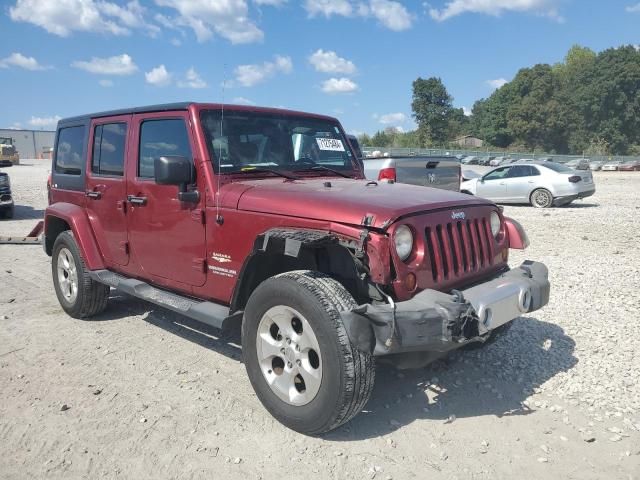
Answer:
(69, 150)
(108, 149)
(160, 138)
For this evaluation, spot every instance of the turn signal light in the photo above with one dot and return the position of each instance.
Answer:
(387, 174)
(410, 282)
(575, 178)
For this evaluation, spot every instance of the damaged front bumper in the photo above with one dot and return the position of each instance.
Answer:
(434, 321)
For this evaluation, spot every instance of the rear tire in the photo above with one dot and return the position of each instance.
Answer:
(78, 294)
(541, 198)
(332, 384)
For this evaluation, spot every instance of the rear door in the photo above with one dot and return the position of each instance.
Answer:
(521, 181)
(166, 236)
(106, 186)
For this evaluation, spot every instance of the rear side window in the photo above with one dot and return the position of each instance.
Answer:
(159, 138)
(108, 149)
(69, 150)
(523, 171)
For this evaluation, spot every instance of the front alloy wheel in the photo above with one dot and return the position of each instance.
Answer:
(289, 355)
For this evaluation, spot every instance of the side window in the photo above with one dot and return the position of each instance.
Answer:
(533, 171)
(159, 138)
(69, 151)
(498, 173)
(519, 171)
(108, 149)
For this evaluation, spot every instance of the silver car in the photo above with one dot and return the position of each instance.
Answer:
(541, 184)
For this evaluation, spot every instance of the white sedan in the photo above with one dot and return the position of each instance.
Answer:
(541, 184)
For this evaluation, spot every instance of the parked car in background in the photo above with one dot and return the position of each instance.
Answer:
(541, 184)
(471, 160)
(485, 161)
(595, 166)
(630, 166)
(436, 172)
(8, 153)
(611, 166)
(6, 198)
(578, 164)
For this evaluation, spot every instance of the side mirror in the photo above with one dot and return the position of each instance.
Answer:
(176, 170)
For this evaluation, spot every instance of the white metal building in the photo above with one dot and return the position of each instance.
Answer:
(30, 143)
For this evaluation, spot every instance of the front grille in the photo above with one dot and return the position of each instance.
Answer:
(459, 248)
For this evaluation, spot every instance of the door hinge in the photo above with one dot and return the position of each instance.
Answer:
(200, 264)
(198, 215)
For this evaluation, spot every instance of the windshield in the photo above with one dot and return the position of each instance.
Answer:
(556, 167)
(248, 141)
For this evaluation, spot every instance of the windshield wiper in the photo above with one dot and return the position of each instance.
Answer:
(267, 170)
(326, 169)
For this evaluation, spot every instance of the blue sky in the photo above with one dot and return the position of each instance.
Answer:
(353, 59)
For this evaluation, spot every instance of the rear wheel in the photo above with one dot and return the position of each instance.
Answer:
(298, 357)
(541, 198)
(78, 294)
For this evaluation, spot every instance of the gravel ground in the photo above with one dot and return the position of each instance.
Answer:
(144, 393)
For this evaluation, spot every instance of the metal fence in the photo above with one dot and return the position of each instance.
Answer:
(432, 152)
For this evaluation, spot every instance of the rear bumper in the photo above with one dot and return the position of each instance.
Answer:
(433, 321)
(570, 198)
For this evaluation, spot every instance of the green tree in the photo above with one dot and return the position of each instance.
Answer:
(432, 106)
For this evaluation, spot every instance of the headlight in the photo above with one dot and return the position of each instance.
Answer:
(403, 239)
(495, 223)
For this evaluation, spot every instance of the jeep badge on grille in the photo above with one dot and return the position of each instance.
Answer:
(458, 215)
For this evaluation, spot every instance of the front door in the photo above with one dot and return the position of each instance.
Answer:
(105, 187)
(166, 236)
(492, 185)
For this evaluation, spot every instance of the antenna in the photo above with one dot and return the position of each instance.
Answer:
(219, 219)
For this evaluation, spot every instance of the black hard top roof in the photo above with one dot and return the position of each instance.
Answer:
(124, 111)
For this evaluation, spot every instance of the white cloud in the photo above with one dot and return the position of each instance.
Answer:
(21, 61)
(106, 83)
(15, 126)
(339, 85)
(392, 118)
(227, 18)
(271, 3)
(633, 8)
(44, 122)
(158, 76)
(390, 13)
(330, 62)
(116, 65)
(497, 83)
(327, 8)
(192, 80)
(250, 75)
(466, 111)
(242, 101)
(63, 17)
(496, 7)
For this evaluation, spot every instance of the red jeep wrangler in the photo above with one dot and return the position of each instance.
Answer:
(262, 216)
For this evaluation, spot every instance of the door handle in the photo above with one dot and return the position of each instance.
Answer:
(93, 194)
(531, 181)
(501, 183)
(140, 201)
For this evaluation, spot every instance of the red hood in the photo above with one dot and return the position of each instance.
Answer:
(346, 201)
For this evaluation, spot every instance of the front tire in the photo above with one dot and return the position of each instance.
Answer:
(541, 198)
(78, 294)
(297, 354)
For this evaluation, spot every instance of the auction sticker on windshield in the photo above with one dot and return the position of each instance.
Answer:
(330, 144)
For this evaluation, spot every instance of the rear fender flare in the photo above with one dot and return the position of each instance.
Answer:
(77, 221)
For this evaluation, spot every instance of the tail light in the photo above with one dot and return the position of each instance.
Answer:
(575, 178)
(387, 174)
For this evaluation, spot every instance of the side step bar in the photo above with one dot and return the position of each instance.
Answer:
(209, 313)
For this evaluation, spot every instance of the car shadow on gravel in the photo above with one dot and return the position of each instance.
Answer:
(494, 380)
(226, 342)
(26, 212)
